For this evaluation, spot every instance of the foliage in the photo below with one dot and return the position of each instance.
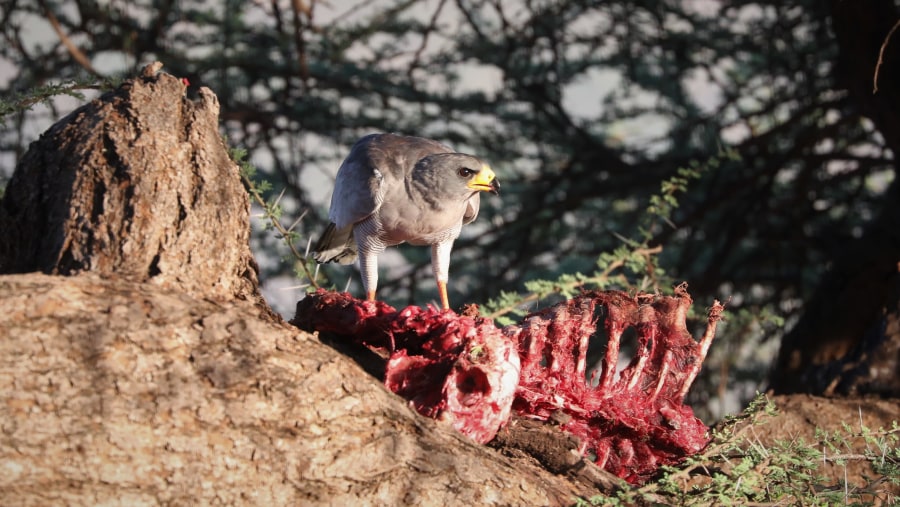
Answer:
(272, 212)
(618, 268)
(737, 469)
(297, 84)
(43, 94)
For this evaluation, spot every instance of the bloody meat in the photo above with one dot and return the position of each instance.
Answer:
(465, 370)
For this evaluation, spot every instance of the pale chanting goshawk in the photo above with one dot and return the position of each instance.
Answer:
(393, 189)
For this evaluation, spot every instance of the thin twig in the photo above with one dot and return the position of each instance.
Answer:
(267, 210)
(881, 57)
(300, 7)
(76, 53)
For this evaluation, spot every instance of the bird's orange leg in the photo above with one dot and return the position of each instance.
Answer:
(442, 289)
(370, 295)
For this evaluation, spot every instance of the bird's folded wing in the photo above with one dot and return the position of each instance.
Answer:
(358, 190)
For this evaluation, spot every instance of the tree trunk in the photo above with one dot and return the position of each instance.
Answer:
(136, 184)
(122, 392)
(153, 377)
(843, 326)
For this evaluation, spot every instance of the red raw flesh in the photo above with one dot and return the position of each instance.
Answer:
(633, 422)
(466, 371)
(458, 369)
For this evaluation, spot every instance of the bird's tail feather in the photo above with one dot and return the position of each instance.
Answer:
(336, 245)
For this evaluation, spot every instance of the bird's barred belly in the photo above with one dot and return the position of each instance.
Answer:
(412, 232)
(417, 235)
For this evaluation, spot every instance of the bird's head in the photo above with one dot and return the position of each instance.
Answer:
(458, 173)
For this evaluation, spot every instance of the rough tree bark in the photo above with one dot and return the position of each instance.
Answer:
(137, 185)
(152, 376)
(121, 392)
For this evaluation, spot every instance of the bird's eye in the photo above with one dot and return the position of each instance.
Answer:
(465, 172)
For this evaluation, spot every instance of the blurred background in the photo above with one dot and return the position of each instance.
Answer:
(583, 109)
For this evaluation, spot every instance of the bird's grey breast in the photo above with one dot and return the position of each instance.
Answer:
(406, 216)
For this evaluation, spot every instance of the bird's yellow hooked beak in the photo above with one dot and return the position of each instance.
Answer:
(485, 180)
